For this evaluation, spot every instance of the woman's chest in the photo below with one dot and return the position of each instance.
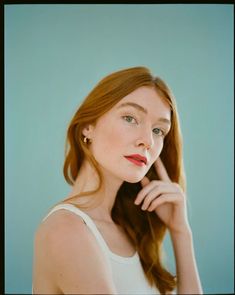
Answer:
(116, 239)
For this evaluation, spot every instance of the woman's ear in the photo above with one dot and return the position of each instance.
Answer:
(87, 130)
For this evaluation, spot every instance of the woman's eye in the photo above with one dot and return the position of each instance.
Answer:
(159, 131)
(130, 119)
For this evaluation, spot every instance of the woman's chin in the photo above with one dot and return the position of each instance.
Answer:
(133, 178)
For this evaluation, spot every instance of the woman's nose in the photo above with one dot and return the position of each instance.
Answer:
(145, 139)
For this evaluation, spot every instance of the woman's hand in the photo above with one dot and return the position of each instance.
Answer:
(166, 199)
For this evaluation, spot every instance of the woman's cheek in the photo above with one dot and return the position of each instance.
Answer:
(158, 147)
(113, 136)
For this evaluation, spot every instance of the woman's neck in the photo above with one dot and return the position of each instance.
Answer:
(87, 180)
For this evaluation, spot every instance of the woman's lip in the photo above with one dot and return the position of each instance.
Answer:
(138, 157)
(135, 161)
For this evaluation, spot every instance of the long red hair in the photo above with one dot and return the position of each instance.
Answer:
(145, 229)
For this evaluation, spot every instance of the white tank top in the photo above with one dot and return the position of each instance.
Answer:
(127, 272)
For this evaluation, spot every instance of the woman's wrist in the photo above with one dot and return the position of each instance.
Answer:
(183, 232)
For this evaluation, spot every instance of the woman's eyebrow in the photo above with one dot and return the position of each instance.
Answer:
(135, 105)
(142, 109)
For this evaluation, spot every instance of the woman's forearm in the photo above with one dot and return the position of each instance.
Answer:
(188, 281)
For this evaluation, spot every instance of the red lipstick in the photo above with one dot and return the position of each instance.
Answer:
(137, 159)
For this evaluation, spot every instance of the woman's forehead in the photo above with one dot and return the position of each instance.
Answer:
(146, 100)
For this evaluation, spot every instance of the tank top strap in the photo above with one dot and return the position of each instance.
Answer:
(87, 220)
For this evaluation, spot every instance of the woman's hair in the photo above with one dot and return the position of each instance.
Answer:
(145, 229)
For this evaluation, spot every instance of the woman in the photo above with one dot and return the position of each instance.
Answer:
(106, 236)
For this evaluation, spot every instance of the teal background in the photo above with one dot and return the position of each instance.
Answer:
(55, 54)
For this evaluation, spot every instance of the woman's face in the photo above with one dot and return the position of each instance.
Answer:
(137, 124)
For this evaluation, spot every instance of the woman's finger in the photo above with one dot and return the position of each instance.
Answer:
(163, 199)
(157, 192)
(161, 170)
(146, 189)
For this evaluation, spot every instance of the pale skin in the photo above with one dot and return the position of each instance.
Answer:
(121, 131)
(168, 201)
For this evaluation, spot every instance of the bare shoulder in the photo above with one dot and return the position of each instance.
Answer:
(72, 260)
(58, 224)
